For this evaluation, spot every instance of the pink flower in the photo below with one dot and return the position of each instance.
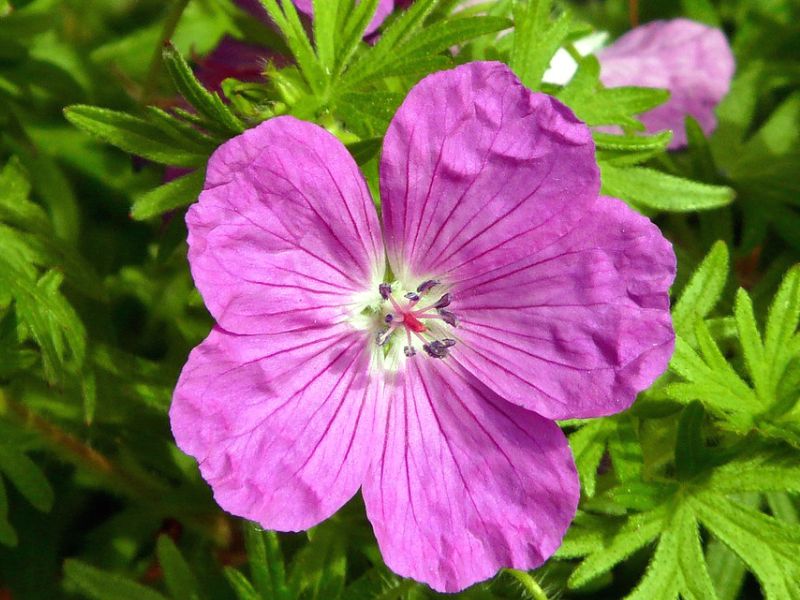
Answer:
(693, 61)
(514, 296)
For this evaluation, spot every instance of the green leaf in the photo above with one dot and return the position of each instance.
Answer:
(656, 190)
(319, 568)
(752, 346)
(180, 580)
(170, 196)
(767, 546)
(703, 291)
(133, 135)
(26, 477)
(690, 451)
(724, 391)
(266, 563)
(207, 103)
(243, 588)
(638, 531)
(754, 469)
(353, 32)
(782, 321)
(290, 26)
(588, 446)
(371, 63)
(106, 586)
(626, 449)
(324, 24)
(696, 582)
(597, 105)
(536, 39)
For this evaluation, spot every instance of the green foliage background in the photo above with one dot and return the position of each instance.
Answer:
(693, 493)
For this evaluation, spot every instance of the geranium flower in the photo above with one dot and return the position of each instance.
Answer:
(691, 60)
(423, 360)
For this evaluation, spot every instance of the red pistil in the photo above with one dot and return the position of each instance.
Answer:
(413, 323)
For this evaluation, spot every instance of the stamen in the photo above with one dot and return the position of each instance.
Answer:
(439, 348)
(412, 321)
(443, 301)
(448, 317)
(426, 286)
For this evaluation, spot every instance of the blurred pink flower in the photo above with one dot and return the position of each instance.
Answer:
(691, 60)
(514, 295)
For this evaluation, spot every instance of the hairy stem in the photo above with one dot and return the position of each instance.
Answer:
(528, 583)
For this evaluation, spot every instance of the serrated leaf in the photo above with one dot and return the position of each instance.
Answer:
(638, 531)
(371, 62)
(353, 32)
(101, 585)
(176, 194)
(588, 446)
(288, 22)
(701, 294)
(181, 582)
(782, 321)
(757, 470)
(207, 103)
(324, 25)
(625, 450)
(767, 546)
(659, 191)
(133, 135)
(536, 39)
(752, 345)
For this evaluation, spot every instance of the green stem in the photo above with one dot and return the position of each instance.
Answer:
(73, 450)
(529, 583)
(171, 23)
(136, 486)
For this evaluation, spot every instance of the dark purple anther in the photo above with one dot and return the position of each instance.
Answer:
(426, 286)
(389, 318)
(409, 351)
(442, 302)
(448, 342)
(385, 290)
(436, 349)
(447, 317)
(412, 296)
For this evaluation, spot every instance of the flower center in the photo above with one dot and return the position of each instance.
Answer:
(426, 326)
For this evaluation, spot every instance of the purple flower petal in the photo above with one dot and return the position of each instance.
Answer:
(281, 425)
(466, 482)
(474, 165)
(384, 9)
(285, 233)
(693, 61)
(577, 328)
